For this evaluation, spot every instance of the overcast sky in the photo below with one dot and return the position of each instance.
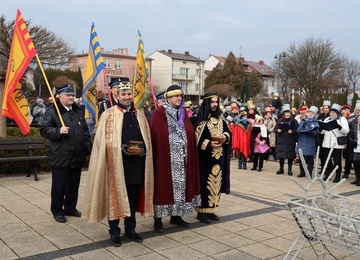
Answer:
(259, 29)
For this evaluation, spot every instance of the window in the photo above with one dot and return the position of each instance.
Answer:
(107, 63)
(197, 72)
(184, 86)
(184, 71)
(197, 86)
(118, 64)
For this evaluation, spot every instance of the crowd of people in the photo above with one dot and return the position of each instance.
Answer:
(164, 162)
(175, 159)
(283, 133)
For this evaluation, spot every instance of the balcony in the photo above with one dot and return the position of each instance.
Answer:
(183, 77)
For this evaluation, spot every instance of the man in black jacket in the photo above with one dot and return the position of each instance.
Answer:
(68, 148)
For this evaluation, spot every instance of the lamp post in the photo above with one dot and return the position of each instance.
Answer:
(279, 56)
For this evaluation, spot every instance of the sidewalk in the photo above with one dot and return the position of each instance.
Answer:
(253, 224)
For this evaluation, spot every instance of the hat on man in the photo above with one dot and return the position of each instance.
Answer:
(66, 89)
(346, 106)
(267, 109)
(335, 108)
(313, 109)
(173, 90)
(303, 108)
(285, 108)
(242, 114)
(123, 85)
(188, 103)
(234, 106)
(38, 100)
(258, 118)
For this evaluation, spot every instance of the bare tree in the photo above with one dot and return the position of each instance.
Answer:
(312, 65)
(53, 51)
(352, 73)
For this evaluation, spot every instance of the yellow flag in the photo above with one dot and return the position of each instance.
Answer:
(140, 77)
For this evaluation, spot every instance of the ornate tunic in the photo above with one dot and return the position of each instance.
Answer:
(214, 163)
(176, 173)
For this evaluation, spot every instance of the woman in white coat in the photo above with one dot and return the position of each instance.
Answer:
(330, 139)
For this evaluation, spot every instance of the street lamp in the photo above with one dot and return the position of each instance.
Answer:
(278, 56)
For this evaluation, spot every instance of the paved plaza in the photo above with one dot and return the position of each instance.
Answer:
(254, 224)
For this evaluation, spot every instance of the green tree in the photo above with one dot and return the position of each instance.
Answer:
(230, 74)
(255, 83)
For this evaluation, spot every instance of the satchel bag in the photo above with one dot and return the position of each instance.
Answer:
(341, 140)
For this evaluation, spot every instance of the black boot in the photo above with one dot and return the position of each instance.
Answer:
(357, 178)
(290, 162)
(244, 165)
(158, 226)
(337, 177)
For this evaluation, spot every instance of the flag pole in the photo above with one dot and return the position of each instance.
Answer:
(52, 95)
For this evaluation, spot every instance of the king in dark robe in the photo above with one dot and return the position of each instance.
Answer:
(214, 148)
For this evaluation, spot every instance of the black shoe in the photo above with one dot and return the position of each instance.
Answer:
(158, 226)
(259, 170)
(253, 169)
(212, 216)
(336, 180)
(290, 173)
(177, 220)
(345, 176)
(280, 171)
(135, 236)
(74, 214)
(203, 218)
(240, 167)
(115, 240)
(358, 183)
(355, 181)
(301, 175)
(60, 219)
(245, 168)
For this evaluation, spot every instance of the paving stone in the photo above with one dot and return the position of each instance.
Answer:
(186, 237)
(260, 251)
(233, 254)
(130, 249)
(209, 247)
(181, 253)
(159, 243)
(6, 253)
(255, 234)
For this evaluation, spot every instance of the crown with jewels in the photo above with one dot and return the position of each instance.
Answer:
(285, 107)
(336, 106)
(326, 103)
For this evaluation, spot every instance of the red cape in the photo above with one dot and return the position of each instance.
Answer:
(241, 139)
(163, 189)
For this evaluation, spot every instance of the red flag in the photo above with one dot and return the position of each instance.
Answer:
(14, 105)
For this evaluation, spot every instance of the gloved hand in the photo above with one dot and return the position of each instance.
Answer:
(124, 149)
(339, 127)
(143, 151)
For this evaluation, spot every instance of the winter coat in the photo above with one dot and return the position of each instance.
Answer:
(285, 148)
(66, 150)
(38, 114)
(330, 137)
(258, 139)
(270, 125)
(307, 134)
(352, 141)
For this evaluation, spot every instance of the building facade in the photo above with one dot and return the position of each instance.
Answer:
(117, 62)
(185, 70)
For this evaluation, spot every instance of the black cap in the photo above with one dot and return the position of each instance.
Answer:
(66, 90)
(116, 81)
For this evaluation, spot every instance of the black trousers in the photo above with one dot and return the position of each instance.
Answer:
(129, 222)
(310, 164)
(335, 159)
(258, 160)
(64, 190)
